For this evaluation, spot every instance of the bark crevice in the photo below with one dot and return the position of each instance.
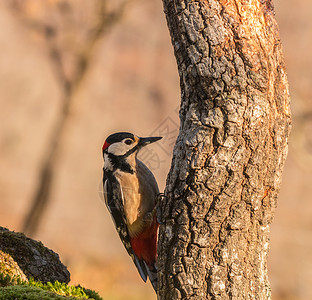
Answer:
(226, 170)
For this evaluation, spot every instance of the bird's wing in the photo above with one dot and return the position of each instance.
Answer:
(144, 173)
(114, 202)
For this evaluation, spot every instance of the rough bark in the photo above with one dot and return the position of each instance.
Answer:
(228, 159)
(32, 257)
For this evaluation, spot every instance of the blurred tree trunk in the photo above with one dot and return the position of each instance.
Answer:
(227, 163)
(70, 73)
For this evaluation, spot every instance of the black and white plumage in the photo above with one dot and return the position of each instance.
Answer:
(130, 193)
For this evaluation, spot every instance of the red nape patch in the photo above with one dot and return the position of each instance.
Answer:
(105, 146)
(145, 244)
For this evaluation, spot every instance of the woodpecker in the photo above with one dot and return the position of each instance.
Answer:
(130, 193)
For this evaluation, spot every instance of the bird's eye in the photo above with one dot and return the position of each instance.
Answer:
(128, 141)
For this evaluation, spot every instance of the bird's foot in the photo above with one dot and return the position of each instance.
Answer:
(159, 199)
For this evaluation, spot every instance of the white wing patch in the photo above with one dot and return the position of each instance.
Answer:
(105, 196)
(121, 193)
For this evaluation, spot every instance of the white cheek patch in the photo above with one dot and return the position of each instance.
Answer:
(107, 163)
(118, 148)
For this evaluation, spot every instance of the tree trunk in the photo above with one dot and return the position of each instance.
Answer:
(228, 159)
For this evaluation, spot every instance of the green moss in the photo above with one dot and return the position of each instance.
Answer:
(23, 292)
(20, 256)
(14, 288)
(62, 289)
(92, 294)
(6, 280)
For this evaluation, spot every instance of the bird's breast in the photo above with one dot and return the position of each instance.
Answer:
(132, 199)
(139, 190)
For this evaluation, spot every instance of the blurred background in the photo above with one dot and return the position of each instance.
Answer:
(73, 72)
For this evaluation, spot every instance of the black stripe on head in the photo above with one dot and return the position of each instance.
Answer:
(119, 136)
(120, 163)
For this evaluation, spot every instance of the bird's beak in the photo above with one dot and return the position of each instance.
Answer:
(148, 140)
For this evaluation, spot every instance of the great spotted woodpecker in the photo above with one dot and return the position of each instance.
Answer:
(130, 193)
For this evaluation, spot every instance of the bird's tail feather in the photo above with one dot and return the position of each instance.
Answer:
(152, 274)
(142, 268)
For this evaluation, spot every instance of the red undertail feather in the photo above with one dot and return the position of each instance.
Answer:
(145, 244)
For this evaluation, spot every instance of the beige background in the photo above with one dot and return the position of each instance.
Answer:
(132, 84)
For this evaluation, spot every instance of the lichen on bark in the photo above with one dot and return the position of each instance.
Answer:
(228, 159)
(8, 266)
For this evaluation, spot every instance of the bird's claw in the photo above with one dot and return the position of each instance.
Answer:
(159, 198)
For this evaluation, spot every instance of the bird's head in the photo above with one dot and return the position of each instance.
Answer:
(122, 146)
